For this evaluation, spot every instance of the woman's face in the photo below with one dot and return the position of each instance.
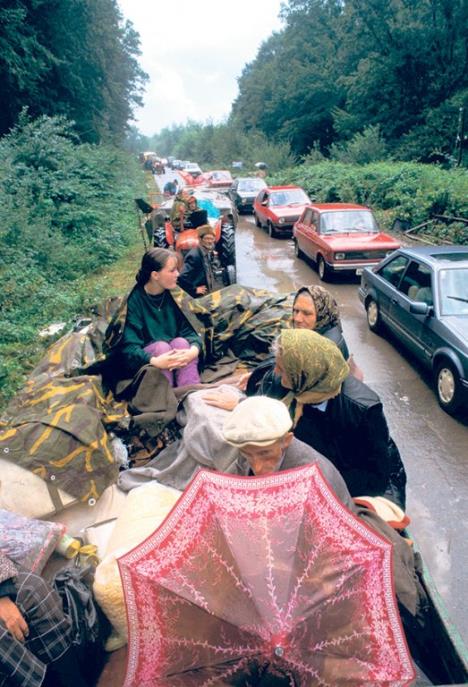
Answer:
(304, 313)
(281, 372)
(167, 277)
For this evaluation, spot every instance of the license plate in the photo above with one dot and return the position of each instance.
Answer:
(358, 272)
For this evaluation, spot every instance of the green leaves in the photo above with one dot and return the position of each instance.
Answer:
(66, 210)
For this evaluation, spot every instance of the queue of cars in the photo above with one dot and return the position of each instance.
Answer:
(418, 294)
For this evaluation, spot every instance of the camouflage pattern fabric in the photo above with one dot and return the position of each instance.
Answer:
(58, 425)
(58, 429)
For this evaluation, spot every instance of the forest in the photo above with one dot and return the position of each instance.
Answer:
(392, 71)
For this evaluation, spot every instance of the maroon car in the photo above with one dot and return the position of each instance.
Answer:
(341, 237)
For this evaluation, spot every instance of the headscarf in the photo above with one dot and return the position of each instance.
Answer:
(314, 365)
(326, 307)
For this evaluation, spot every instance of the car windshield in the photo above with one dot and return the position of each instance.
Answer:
(453, 285)
(221, 176)
(347, 221)
(251, 185)
(289, 197)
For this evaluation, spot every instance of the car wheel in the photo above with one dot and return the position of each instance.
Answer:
(373, 316)
(257, 221)
(271, 230)
(448, 386)
(297, 251)
(322, 269)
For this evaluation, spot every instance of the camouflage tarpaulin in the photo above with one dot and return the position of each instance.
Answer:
(57, 428)
(57, 425)
(243, 320)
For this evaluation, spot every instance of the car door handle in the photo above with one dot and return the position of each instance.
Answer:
(394, 301)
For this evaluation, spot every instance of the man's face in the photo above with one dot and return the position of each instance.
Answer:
(208, 241)
(264, 460)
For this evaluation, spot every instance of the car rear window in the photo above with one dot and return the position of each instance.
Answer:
(251, 185)
(451, 257)
(338, 221)
(289, 197)
(453, 286)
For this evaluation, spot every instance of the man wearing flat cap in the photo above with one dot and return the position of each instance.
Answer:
(260, 427)
(197, 276)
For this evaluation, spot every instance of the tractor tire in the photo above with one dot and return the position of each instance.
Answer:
(229, 275)
(159, 238)
(227, 246)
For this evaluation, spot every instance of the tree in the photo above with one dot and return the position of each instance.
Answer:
(75, 58)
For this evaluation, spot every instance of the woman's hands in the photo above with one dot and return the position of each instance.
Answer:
(173, 360)
(12, 619)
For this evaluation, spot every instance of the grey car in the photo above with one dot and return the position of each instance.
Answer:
(244, 191)
(421, 295)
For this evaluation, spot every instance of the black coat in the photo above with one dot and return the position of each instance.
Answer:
(193, 272)
(352, 433)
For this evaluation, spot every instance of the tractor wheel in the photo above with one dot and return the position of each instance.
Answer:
(227, 246)
(229, 275)
(159, 238)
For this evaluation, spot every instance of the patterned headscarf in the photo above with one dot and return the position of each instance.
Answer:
(314, 366)
(326, 307)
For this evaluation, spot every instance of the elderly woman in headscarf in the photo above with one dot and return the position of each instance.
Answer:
(314, 308)
(333, 412)
(337, 414)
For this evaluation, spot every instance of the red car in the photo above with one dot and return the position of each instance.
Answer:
(219, 179)
(278, 207)
(341, 237)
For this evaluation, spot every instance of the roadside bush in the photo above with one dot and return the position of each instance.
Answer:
(66, 210)
(364, 147)
(410, 191)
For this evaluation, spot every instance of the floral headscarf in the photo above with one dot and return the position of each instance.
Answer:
(314, 366)
(326, 307)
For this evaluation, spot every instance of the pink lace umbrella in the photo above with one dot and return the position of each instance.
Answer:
(271, 574)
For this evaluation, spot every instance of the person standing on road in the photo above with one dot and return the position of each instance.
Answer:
(197, 276)
(170, 187)
(180, 209)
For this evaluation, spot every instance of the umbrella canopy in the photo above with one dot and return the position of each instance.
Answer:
(253, 575)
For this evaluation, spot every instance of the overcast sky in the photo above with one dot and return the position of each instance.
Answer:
(193, 52)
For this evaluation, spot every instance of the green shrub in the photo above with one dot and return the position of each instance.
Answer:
(66, 210)
(410, 191)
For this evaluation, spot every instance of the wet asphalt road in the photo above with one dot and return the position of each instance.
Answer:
(434, 446)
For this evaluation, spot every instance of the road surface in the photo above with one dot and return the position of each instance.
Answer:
(434, 446)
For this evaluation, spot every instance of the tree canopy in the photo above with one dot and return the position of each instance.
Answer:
(74, 58)
(339, 66)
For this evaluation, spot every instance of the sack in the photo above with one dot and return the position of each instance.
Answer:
(89, 627)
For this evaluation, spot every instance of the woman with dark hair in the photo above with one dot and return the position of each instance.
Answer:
(156, 331)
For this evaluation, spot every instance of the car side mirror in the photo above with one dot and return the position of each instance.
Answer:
(264, 202)
(420, 309)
